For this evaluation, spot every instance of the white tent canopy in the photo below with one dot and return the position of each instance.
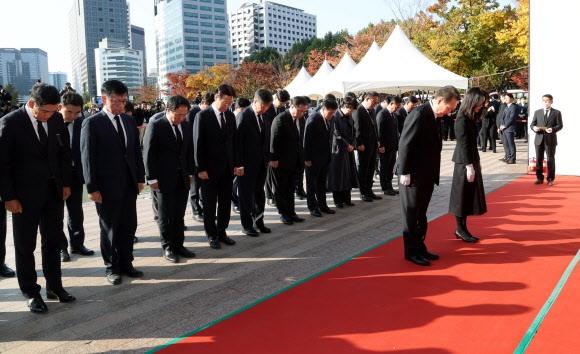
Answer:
(315, 87)
(334, 82)
(300, 80)
(399, 67)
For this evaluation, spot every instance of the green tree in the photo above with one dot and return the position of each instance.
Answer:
(86, 97)
(267, 55)
(13, 92)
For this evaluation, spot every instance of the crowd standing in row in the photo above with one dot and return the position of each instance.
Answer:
(218, 153)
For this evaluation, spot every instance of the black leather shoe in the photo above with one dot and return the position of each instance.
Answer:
(184, 252)
(271, 202)
(228, 241)
(61, 294)
(133, 273)
(135, 239)
(114, 278)
(350, 204)
(366, 198)
(286, 220)
(214, 243)
(250, 232)
(430, 256)
(465, 238)
(418, 259)
(389, 192)
(375, 197)
(539, 181)
(37, 305)
(315, 212)
(82, 250)
(198, 217)
(64, 256)
(170, 256)
(327, 210)
(236, 209)
(502, 159)
(6, 271)
(510, 162)
(339, 206)
(263, 229)
(300, 194)
(296, 218)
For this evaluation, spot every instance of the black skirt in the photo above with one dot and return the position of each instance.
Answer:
(467, 198)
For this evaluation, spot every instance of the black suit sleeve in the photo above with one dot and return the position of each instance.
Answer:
(88, 147)
(7, 137)
(150, 146)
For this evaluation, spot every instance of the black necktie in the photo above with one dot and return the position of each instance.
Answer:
(178, 136)
(42, 135)
(261, 123)
(120, 132)
(546, 116)
(222, 121)
(325, 123)
(298, 126)
(66, 125)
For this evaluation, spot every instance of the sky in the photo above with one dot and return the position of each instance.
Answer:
(47, 25)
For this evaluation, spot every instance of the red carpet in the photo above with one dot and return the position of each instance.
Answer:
(477, 298)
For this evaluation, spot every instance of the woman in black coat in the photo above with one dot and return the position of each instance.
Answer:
(342, 176)
(467, 193)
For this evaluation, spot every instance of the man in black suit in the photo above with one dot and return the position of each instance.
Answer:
(278, 106)
(241, 104)
(368, 143)
(214, 134)
(389, 138)
(317, 147)
(409, 104)
(34, 180)
(418, 169)
(253, 151)
(286, 143)
(70, 109)
(546, 123)
(114, 175)
(169, 165)
(194, 189)
(508, 129)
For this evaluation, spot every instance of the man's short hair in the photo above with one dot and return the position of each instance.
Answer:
(330, 104)
(176, 101)
(72, 99)
(448, 93)
(263, 95)
(225, 90)
(396, 99)
(371, 94)
(412, 99)
(509, 95)
(548, 96)
(129, 107)
(208, 98)
(387, 98)
(329, 96)
(300, 100)
(349, 102)
(114, 87)
(43, 93)
(283, 95)
(242, 102)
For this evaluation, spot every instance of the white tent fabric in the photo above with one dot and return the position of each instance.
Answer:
(399, 67)
(315, 87)
(334, 82)
(300, 80)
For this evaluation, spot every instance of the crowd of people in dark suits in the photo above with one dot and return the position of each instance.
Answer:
(217, 154)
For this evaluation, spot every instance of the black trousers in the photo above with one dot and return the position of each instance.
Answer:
(217, 194)
(76, 217)
(118, 223)
(2, 233)
(387, 160)
(269, 182)
(171, 205)
(509, 145)
(414, 202)
(284, 183)
(47, 214)
(316, 186)
(341, 197)
(194, 195)
(235, 193)
(550, 156)
(366, 168)
(300, 178)
(488, 130)
(448, 128)
(252, 198)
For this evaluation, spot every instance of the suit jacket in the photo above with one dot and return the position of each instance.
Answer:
(252, 147)
(388, 130)
(214, 147)
(26, 168)
(164, 161)
(420, 147)
(509, 117)
(554, 121)
(285, 142)
(466, 148)
(190, 117)
(75, 147)
(366, 131)
(105, 162)
(317, 141)
(401, 116)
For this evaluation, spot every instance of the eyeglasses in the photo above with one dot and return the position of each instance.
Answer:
(117, 101)
(300, 111)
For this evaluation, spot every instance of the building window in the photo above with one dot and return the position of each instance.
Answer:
(205, 8)
(206, 24)
(205, 16)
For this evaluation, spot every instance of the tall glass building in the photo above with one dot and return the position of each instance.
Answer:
(138, 43)
(89, 22)
(189, 35)
(58, 79)
(22, 68)
(113, 61)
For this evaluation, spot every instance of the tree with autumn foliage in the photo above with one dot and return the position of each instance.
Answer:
(251, 76)
(209, 79)
(145, 94)
(176, 85)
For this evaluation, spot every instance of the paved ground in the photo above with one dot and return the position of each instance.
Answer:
(174, 299)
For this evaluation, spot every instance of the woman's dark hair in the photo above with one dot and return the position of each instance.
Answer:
(473, 97)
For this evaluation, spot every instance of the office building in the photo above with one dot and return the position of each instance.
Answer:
(113, 60)
(255, 26)
(190, 34)
(89, 22)
(22, 68)
(58, 79)
(138, 43)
